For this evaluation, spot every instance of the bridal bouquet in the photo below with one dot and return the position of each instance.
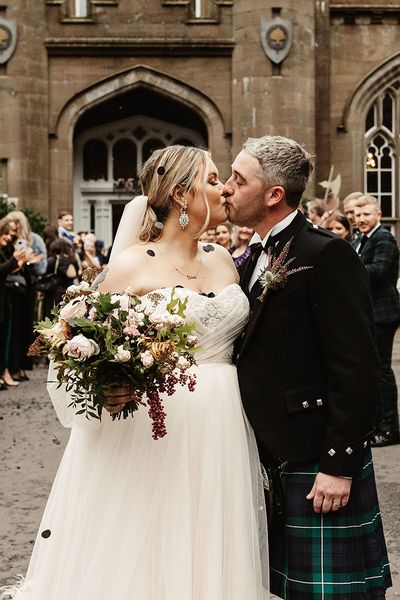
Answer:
(98, 340)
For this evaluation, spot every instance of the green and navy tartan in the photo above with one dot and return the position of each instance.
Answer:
(334, 556)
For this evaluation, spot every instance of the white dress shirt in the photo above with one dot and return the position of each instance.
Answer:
(263, 258)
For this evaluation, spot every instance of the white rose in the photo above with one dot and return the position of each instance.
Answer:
(123, 301)
(156, 318)
(80, 347)
(73, 288)
(175, 320)
(84, 285)
(147, 359)
(75, 308)
(122, 355)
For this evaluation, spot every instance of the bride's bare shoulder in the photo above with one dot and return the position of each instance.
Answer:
(216, 257)
(126, 268)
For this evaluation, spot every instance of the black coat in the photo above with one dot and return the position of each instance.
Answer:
(307, 364)
(7, 266)
(380, 256)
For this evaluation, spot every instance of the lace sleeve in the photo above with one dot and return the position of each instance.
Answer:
(61, 399)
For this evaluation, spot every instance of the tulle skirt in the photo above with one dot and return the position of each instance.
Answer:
(180, 518)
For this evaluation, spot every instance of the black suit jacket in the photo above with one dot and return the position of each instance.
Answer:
(307, 365)
(380, 256)
(7, 266)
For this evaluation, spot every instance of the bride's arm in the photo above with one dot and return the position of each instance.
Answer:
(61, 399)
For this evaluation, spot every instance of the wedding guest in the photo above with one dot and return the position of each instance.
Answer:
(211, 235)
(50, 235)
(90, 259)
(25, 304)
(313, 426)
(224, 235)
(63, 264)
(339, 224)
(349, 204)
(241, 247)
(66, 226)
(101, 252)
(379, 252)
(315, 210)
(8, 265)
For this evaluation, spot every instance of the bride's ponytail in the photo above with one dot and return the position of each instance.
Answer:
(149, 232)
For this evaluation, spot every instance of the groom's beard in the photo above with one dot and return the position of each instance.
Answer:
(249, 215)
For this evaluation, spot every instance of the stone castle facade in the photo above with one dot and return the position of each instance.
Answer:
(93, 86)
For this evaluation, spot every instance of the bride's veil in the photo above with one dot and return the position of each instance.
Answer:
(130, 225)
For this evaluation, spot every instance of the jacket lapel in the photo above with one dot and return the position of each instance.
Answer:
(287, 234)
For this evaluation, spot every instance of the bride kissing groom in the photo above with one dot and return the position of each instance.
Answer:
(183, 517)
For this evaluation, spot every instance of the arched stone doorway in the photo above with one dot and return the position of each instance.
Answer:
(142, 92)
(111, 143)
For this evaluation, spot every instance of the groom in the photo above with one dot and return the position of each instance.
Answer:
(309, 375)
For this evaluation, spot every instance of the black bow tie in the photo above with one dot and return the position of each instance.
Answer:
(257, 248)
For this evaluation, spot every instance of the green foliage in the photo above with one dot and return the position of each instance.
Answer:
(36, 220)
(5, 208)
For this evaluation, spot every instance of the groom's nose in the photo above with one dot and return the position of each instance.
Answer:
(227, 190)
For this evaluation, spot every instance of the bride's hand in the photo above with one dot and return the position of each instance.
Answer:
(117, 397)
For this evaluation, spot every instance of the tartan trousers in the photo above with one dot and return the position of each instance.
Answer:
(334, 556)
(387, 416)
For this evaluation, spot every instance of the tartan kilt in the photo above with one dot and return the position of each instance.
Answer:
(334, 556)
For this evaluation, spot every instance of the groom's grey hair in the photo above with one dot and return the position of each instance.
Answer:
(282, 162)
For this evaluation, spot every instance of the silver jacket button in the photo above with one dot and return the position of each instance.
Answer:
(331, 452)
(319, 402)
(349, 450)
(305, 404)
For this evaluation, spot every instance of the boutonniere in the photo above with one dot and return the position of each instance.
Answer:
(276, 273)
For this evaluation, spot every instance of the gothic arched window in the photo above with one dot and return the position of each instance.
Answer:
(124, 159)
(382, 151)
(149, 146)
(94, 160)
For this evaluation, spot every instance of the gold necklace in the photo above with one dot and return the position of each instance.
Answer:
(178, 270)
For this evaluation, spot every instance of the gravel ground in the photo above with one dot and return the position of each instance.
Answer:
(31, 445)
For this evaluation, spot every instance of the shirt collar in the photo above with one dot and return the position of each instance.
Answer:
(373, 230)
(275, 230)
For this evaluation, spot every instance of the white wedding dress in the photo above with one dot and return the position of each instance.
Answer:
(180, 518)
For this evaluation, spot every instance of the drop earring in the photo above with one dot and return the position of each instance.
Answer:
(183, 217)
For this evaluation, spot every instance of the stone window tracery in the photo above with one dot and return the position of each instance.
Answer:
(382, 145)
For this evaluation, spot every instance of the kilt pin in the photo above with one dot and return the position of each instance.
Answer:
(309, 379)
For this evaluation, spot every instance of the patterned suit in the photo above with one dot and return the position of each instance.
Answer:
(380, 256)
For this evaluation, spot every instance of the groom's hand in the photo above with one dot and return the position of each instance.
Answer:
(329, 492)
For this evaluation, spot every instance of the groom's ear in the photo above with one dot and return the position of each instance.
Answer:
(274, 195)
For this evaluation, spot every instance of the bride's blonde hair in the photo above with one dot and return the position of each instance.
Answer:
(182, 167)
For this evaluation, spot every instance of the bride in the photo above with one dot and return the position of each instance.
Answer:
(180, 518)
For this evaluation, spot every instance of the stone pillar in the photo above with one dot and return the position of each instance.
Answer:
(322, 93)
(266, 99)
(23, 100)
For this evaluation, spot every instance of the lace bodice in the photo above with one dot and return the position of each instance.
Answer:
(219, 319)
